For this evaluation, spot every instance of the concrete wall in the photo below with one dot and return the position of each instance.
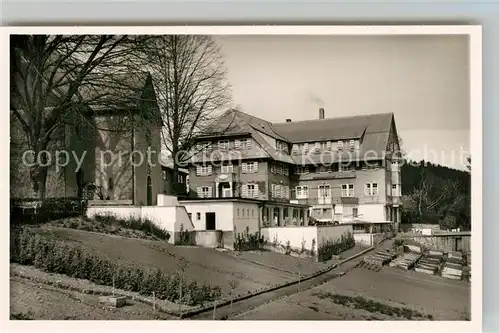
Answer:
(309, 238)
(167, 200)
(172, 219)
(298, 237)
(208, 238)
(332, 233)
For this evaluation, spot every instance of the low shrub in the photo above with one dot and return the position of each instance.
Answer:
(36, 211)
(145, 225)
(328, 249)
(247, 241)
(31, 248)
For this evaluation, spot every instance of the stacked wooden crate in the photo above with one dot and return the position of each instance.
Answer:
(430, 262)
(406, 261)
(379, 258)
(453, 267)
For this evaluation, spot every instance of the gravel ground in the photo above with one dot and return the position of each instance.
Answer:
(31, 300)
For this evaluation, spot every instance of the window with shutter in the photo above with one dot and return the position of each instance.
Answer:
(252, 193)
(198, 170)
(351, 144)
(273, 190)
(199, 192)
(244, 167)
(244, 190)
(209, 170)
(255, 166)
(237, 144)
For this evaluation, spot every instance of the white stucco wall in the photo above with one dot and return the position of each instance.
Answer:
(122, 212)
(223, 214)
(296, 235)
(167, 200)
(168, 218)
(363, 239)
(372, 212)
(332, 233)
(246, 215)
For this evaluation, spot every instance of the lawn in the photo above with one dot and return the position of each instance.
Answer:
(204, 265)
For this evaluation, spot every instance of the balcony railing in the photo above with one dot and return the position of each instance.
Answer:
(326, 200)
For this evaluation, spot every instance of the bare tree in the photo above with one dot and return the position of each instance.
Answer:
(191, 87)
(232, 284)
(52, 77)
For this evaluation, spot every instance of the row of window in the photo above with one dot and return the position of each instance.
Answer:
(336, 168)
(225, 145)
(325, 146)
(302, 192)
(283, 169)
(246, 167)
(248, 212)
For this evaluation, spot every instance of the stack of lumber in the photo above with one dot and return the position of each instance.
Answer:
(406, 261)
(429, 263)
(453, 267)
(379, 258)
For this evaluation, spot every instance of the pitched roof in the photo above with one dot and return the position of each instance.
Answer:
(373, 131)
(334, 128)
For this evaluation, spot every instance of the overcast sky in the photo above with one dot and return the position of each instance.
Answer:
(423, 80)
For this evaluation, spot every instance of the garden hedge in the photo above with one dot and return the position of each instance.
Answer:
(30, 248)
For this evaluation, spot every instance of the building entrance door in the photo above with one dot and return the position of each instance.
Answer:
(210, 221)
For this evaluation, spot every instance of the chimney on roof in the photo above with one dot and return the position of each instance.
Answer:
(289, 120)
(321, 113)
